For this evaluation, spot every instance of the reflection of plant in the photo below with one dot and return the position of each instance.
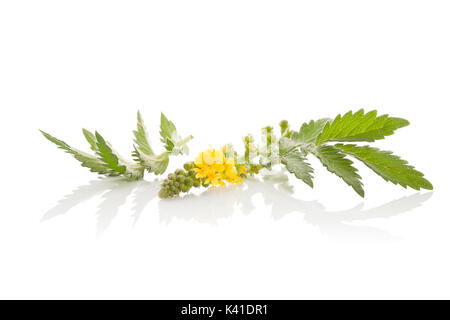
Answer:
(214, 205)
(112, 194)
(108, 162)
(322, 138)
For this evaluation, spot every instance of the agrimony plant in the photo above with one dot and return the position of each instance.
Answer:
(335, 142)
(332, 141)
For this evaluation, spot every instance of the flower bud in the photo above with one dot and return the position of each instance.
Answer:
(204, 184)
(188, 182)
(192, 173)
(284, 124)
(184, 188)
(268, 129)
(249, 139)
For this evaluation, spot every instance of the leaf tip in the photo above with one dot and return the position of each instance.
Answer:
(45, 134)
(361, 193)
(405, 122)
(98, 136)
(427, 185)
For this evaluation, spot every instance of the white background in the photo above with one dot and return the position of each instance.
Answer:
(219, 70)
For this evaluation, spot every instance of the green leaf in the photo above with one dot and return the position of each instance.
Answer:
(360, 127)
(141, 137)
(286, 145)
(169, 136)
(296, 163)
(309, 132)
(168, 132)
(152, 163)
(90, 139)
(334, 160)
(107, 155)
(144, 154)
(87, 160)
(389, 166)
(107, 161)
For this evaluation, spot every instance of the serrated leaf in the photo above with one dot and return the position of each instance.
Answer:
(296, 163)
(168, 132)
(387, 165)
(153, 163)
(107, 161)
(107, 155)
(141, 137)
(169, 136)
(90, 138)
(286, 145)
(87, 160)
(360, 126)
(334, 160)
(309, 132)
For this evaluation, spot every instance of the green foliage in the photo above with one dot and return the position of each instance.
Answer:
(108, 162)
(108, 156)
(360, 126)
(286, 145)
(143, 153)
(334, 160)
(389, 166)
(141, 137)
(322, 138)
(169, 136)
(152, 163)
(168, 132)
(90, 138)
(88, 161)
(309, 132)
(296, 163)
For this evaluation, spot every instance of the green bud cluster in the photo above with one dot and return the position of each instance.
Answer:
(182, 180)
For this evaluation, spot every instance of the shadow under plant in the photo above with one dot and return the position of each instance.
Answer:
(113, 193)
(215, 204)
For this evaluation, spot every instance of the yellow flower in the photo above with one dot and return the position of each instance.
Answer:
(231, 175)
(213, 166)
(242, 170)
(210, 157)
